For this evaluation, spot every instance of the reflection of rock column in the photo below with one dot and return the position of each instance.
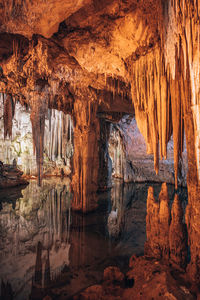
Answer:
(105, 165)
(6, 291)
(86, 154)
(164, 221)
(38, 265)
(116, 218)
(177, 235)
(47, 276)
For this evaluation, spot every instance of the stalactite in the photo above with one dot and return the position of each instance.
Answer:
(9, 110)
(165, 85)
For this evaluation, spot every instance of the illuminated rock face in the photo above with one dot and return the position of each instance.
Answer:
(141, 54)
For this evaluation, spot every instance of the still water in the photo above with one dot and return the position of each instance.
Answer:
(46, 248)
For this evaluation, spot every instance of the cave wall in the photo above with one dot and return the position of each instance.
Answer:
(58, 141)
(130, 161)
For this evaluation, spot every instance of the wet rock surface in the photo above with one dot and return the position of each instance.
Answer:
(147, 279)
(10, 176)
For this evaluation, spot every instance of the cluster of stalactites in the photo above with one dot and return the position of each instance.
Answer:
(182, 38)
(116, 86)
(8, 113)
(152, 101)
(59, 137)
(166, 84)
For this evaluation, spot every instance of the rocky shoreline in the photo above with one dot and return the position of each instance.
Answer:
(10, 176)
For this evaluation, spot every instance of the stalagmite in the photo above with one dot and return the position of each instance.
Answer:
(177, 235)
(152, 245)
(166, 237)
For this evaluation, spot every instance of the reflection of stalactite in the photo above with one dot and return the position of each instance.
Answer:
(104, 177)
(38, 265)
(164, 221)
(6, 291)
(165, 239)
(47, 276)
(9, 110)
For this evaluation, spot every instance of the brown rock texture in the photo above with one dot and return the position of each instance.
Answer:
(149, 279)
(10, 176)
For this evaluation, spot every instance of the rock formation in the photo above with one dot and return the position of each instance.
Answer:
(131, 60)
(166, 232)
(10, 176)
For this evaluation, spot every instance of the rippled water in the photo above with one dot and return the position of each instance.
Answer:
(45, 248)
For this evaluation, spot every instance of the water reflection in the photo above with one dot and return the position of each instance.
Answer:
(46, 248)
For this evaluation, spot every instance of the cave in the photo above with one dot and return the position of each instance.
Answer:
(99, 149)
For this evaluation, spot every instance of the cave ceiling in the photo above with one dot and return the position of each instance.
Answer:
(58, 47)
